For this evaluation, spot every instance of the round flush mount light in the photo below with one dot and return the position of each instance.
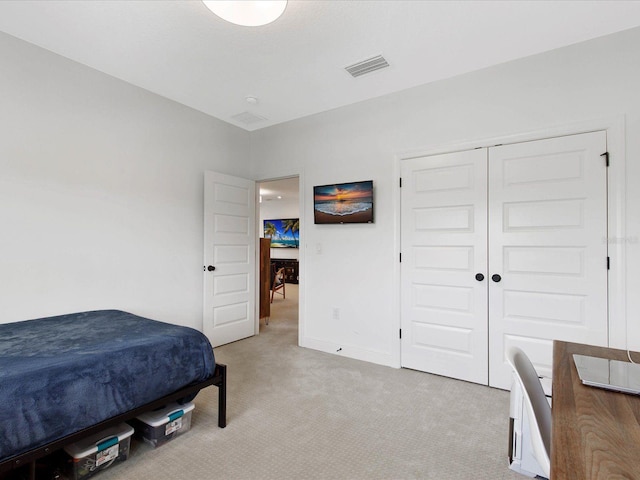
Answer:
(246, 12)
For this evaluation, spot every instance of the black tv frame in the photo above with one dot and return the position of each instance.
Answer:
(323, 218)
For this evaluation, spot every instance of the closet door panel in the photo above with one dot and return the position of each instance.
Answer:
(444, 234)
(547, 242)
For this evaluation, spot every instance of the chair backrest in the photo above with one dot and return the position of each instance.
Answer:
(538, 408)
(277, 276)
(273, 274)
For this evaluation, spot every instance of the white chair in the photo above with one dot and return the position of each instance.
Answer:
(538, 409)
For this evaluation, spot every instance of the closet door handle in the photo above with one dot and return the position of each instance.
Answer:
(496, 278)
(479, 277)
(211, 268)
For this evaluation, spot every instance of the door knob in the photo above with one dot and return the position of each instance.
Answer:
(496, 278)
(479, 277)
(211, 268)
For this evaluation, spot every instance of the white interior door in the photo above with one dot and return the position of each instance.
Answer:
(229, 258)
(444, 237)
(548, 243)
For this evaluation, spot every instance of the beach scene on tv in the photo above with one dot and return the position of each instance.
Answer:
(283, 232)
(344, 203)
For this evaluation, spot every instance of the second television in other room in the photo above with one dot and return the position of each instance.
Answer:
(283, 232)
(343, 203)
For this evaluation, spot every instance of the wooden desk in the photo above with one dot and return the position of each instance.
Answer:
(595, 432)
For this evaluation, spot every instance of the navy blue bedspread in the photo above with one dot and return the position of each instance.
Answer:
(61, 374)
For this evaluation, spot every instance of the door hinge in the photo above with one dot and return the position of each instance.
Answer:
(606, 157)
(401, 333)
(400, 257)
(608, 263)
(400, 182)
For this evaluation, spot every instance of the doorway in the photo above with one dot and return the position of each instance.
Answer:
(279, 220)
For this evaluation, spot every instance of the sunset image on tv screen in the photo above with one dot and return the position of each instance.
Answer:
(344, 203)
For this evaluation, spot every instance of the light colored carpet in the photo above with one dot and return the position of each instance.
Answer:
(295, 413)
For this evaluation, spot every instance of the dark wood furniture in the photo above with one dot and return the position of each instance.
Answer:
(595, 432)
(290, 266)
(265, 279)
(27, 460)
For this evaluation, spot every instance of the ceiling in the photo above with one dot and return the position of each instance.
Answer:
(285, 189)
(295, 66)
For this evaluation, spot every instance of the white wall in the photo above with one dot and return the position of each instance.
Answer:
(352, 267)
(101, 183)
(101, 191)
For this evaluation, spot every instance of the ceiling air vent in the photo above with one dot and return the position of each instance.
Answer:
(367, 66)
(248, 118)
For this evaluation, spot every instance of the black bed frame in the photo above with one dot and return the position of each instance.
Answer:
(28, 459)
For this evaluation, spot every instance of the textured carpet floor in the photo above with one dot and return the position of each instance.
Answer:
(295, 413)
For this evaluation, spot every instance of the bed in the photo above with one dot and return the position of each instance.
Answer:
(65, 377)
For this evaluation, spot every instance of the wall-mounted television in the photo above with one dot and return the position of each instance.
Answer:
(343, 203)
(284, 233)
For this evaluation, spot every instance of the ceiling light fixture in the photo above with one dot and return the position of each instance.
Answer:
(246, 12)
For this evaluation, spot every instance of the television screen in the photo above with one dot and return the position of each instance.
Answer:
(343, 203)
(283, 232)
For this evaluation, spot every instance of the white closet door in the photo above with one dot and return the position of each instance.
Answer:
(444, 234)
(548, 243)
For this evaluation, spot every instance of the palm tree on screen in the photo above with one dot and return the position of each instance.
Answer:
(292, 225)
(270, 230)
